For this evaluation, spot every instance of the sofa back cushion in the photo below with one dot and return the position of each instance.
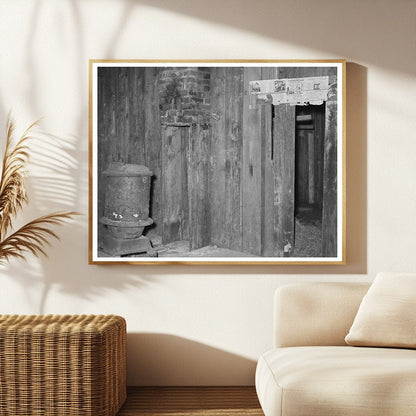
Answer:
(309, 314)
(387, 314)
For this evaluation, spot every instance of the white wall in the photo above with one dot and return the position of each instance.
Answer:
(207, 324)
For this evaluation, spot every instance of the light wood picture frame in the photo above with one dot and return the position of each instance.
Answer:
(217, 162)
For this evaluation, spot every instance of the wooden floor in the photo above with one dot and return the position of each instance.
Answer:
(181, 249)
(187, 401)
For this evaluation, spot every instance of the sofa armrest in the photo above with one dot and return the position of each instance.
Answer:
(315, 313)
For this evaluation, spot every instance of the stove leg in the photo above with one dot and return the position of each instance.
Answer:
(116, 247)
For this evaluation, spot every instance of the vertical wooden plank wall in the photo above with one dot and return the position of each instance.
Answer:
(122, 115)
(251, 169)
(328, 182)
(182, 183)
(134, 116)
(129, 126)
(311, 167)
(232, 182)
(153, 145)
(217, 161)
(198, 142)
(106, 128)
(225, 160)
(121, 120)
(329, 209)
(319, 117)
(102, 137)
(269, 211)
(174, 184)
(284, 170)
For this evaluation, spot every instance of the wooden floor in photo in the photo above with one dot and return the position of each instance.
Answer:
(195, 401)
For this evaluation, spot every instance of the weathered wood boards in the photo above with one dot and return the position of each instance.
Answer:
(326, 182)
(185, 185)
(268, 214)
(129, 126)
(329, 210)
(227, 177)
(175, 209)
(251, 169)
(319, 135)
(153, 144)
(198, 198)
(284, 181)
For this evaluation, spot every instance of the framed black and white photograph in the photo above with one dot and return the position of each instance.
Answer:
(217, 162)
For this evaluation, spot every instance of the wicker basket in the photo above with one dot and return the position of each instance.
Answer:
(54, 365)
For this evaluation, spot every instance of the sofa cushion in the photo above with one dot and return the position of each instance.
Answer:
(387, 314)
(313, 314)
(341, 381)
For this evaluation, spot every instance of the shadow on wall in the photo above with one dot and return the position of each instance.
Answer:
(60, 182)
(64, 184)
(53, 187)
(60, 177)
(34, 71)
(161, 359)
(334, 27)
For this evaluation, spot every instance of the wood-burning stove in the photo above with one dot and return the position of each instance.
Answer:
(126, 210)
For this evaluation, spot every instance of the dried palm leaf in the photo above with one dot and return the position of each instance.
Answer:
(12, 183)
(32, 237)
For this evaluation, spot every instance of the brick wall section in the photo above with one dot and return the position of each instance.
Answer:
(184, 95)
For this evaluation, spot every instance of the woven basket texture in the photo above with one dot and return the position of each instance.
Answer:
(56, 365)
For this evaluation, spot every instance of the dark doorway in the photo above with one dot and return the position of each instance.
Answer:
(309, 163)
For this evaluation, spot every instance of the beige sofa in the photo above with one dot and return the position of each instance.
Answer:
(312, 371)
